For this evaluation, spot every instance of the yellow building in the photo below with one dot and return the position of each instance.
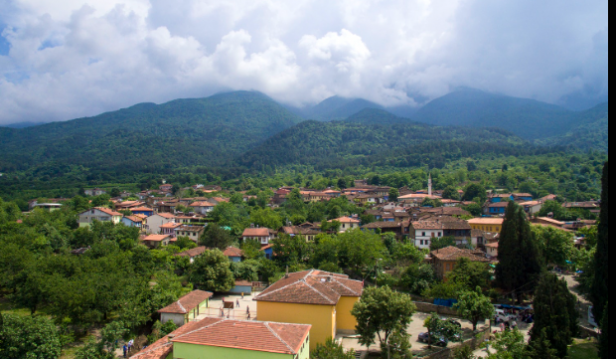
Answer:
(489, 225)
(321, 299)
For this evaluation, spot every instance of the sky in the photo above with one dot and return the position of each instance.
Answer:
(65, 59)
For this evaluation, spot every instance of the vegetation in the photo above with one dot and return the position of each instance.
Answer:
(439, 329)
(28, 337)
(599, 290)
(604, 343)
(212, 272)
(475, 307)
(331, 350)
(508, 345)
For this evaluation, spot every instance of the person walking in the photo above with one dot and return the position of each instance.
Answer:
(125, 350)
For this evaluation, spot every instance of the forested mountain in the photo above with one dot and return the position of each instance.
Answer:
(343, 144)
(23, 124)
(149, 137)
(337, 108)
(376, 117)
(591, 132)
(528, 119)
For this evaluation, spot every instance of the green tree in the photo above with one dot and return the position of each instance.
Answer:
(599, 289)
(216, 237)
(438, 328)
(469, 275)
(519, 260)
(555, 312)
(28, 338)
(604, 343)
(463, 352)
(115, 193)
(331, 350)
(473, 191)
(266, 218)
(474, 306)
(361, 251)
(394, 194)
(509, 345)
(474, 209)
(541, 348)
(471, 166)
(212, 272)
(556, 245)
(451, 193)
(442, 242)
(381, 314)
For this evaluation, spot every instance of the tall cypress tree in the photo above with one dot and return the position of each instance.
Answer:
(554, 315)
(541, 348)
(519, 261)
(603, 340)
(599, 289)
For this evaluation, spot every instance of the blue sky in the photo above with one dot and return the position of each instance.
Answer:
(4, 44)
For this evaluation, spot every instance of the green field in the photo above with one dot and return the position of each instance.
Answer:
(584, 350)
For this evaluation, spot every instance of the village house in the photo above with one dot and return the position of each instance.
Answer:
(158, 220)
(321, 299)
(263, 235)
(202, 207)
(218, 200)
(192, 232)
(498, 198)
(396, 228)
(187, 308)
(142, 210)
(170, 229)
(93, 192)
(532, 207)
(415, 200)
(234, 254)
(522, 197)
(492, 249)
(166, 187)
(127, 205)
(49, 207)
(347, 223)
(490, 225)
(445, 260)
(309, 233)
(133, 221)
(495, 209)
(592, 206)
(155, 241)
(192, 253)
(99, 214)
(550, 222)
(225, 338)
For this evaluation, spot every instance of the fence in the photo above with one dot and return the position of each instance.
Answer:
(226, 313)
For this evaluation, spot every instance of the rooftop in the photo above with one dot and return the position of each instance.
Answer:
(187, 303)
(312, 287)
(454, 253)
(156, 237)
(488, 221)
(192, 252)
(202, 204)
(256, 232)
(346, 220)
(171, 225)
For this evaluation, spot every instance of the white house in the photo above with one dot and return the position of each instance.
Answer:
(192, 232)
(263, 235)
(492, 249)
(425, 233)
(347, 223)
(100, 214)
(157, 220)
(203, 207)
(532, 207)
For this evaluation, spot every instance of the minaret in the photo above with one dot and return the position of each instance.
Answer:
(430, 185)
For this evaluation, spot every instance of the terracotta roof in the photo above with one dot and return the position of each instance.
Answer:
(523, 195)
(422, 225)
(492, 245)
(454, 253)
(256, 232)
(187, 303)
(134, 219)
(312, 287)
(165, 215)
(499, 205)
(108, 211)
(552, 221)
(383, 225)
(202, 204)
(171, 225)
(248, 335)
(192, 252)
(233, 252)
(488, 221)
(530, 203)
(446, 211)
(141, 209)
(191, 229)
(156, 237)
(581, 205)
(243, 283)
(346, 220)
(417, 196)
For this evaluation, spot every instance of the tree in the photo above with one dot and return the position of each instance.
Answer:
(382, 313)
(442, 242)
(469, 275)
(556, 245)
(471, 166)
(185, 243)
(394, 194)
(509, 345)
(475, 307)
(331, 350)
(216, 237)
(266, 218)
(451, 193)
(28, 338)
(473, 191)
(438, 328)
(599, 289)
(463, 352)
(115, 193)
(519, 260)
(555, 312)
(604, 343)
(474, 209)
(212, 272)
(342, 184)
(361, 251)
(541, 348)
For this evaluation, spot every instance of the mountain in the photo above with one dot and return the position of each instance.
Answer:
(342, 144)
(149, 137)
(591, 131)
(528, 119)
(372, 116)
(337, 108)
(23, 125)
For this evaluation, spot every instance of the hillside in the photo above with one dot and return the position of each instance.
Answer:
(148, 137)
(376, 117)
(343, 144)
(528, 119)
(592, 131)
(337, 108)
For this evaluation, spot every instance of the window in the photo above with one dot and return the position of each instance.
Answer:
(423, 234)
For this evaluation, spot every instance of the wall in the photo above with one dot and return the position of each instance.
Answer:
(192, 351)
(321, 317)
(345, 321)
(178, 319)
(432, 308)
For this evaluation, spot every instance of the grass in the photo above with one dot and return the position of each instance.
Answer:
(583, 350)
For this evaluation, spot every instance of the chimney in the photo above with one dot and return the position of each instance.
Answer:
(287, 275)
(430, 185)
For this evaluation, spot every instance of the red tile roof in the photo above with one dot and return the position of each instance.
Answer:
(202, 204)
(312, 287)
(141, 209)
(109, 211)
(346, 220)
(233, 252)
(171, 225)
(166, 215)
(156, 237)
(256, 232)
(192, 252)
(187, 303)
(454, 253)
(135, 219)
(488, 221)
(246, 335)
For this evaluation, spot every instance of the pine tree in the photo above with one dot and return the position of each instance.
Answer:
(603, 340)
(540, 348)
(554, 315)
(519, 261)
(599, 289)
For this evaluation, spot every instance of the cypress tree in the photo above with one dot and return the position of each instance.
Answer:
(554, 315)
(541, 348)
(519, 260)
(603, 341)
(599, 289)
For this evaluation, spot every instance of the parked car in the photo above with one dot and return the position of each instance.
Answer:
(425, 338)
(501, 316)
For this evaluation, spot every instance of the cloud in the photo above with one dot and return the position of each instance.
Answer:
(72, 58)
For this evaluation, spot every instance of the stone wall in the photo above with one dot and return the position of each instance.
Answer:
(432, 308)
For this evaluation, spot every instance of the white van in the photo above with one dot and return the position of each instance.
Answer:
(502, 316)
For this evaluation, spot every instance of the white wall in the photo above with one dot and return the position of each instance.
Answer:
(178, 319)
(426, 237)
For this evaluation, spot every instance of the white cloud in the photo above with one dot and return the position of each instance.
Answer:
(72, 58)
